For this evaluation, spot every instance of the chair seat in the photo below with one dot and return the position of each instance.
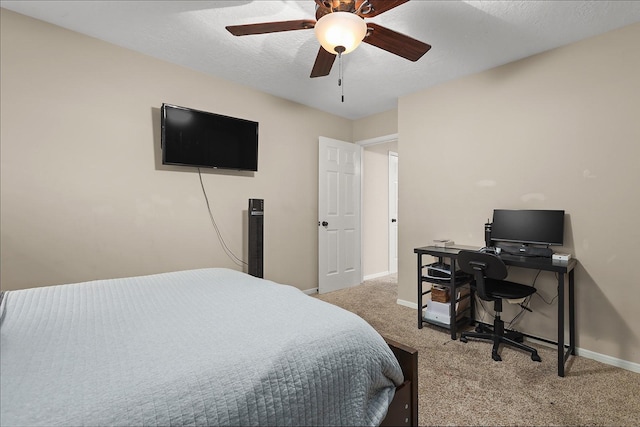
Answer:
(503, 289)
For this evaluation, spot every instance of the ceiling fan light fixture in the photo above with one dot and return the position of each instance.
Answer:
(344, 29)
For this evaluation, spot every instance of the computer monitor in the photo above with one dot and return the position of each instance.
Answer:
(538, 227)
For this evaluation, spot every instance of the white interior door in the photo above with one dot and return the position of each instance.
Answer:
(339, 244)
(393, 212)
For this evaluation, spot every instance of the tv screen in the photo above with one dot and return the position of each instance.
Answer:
(542, 227)
(197, 138)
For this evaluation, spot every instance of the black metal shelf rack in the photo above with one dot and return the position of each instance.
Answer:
(455, 282)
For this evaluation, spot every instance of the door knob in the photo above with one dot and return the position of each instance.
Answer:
(394, 220)
(325, 223)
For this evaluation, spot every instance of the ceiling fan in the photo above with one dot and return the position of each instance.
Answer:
(350, 14)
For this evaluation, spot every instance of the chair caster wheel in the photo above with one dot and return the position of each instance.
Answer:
(496, 357)
(463, 339)
(536, 358)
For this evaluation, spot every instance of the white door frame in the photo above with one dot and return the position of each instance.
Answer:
(392, 221)
(378, 140)
(367, 143)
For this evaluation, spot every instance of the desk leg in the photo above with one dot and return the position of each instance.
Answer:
(561, 324)
(419, 291)
(453, 321)
(572, 316)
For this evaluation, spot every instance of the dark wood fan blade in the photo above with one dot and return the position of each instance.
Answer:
(270, 27)
(323, 64)
(394, 42)
(376, 7)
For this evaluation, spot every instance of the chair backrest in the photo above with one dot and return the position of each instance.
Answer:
(482, 265)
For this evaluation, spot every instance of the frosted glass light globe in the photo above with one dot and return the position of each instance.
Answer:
(344, 29)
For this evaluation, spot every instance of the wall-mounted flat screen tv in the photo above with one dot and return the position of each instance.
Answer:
(201, 139)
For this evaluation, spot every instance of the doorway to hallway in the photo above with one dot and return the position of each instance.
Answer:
(379, 213)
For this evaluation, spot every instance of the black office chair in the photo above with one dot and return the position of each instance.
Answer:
(488, 271)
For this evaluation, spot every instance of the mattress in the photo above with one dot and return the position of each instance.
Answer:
(198, 347)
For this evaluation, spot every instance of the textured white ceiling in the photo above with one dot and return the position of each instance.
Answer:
(467, 37)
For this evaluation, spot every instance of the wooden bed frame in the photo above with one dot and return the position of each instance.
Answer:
(403, 410)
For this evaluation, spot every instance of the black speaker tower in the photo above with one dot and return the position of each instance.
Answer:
(256, 246)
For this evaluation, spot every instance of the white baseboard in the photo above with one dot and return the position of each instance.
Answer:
(376, 275)
(613, 361)
(588, 354)
(313, 291)
(407, 303)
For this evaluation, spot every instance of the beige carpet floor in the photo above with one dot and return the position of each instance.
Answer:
(459, 384)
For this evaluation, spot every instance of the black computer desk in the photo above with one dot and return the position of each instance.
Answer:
(562, 268)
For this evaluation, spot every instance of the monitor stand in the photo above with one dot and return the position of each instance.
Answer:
(524, 250)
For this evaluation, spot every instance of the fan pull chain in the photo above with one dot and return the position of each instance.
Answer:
(339, 50)
(340, 77)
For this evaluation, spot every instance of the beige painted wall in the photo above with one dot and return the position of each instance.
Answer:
(376, 125)
(375, 208)
(559, 130)
(83, 193)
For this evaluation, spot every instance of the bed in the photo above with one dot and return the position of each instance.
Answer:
(199, 347)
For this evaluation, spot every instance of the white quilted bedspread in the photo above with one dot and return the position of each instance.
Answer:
(199, 347)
